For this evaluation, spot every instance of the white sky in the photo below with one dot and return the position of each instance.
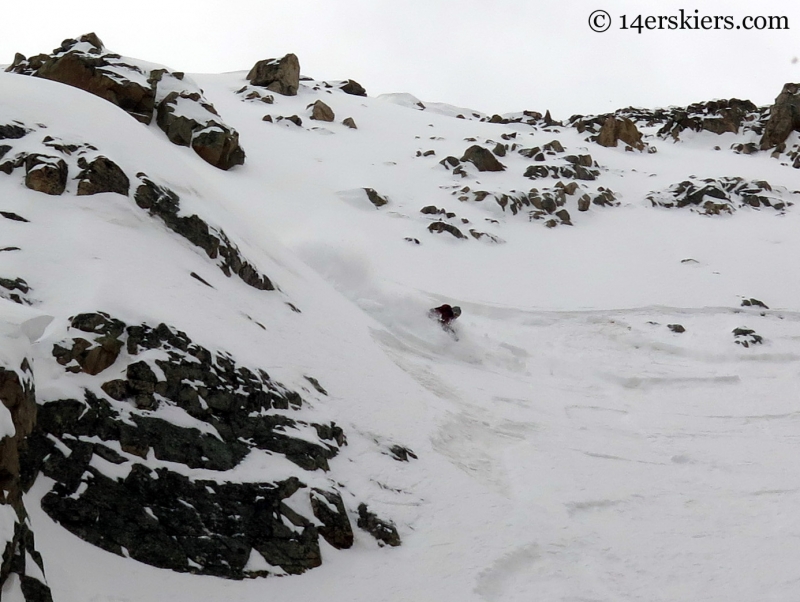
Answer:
(499, 56)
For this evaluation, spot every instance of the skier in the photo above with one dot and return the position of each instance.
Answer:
(446, 314)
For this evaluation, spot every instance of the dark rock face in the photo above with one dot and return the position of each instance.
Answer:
(353, 87)
(46, 174)
(713, 196)
(784, 117)
(322, 112)
(101, 175)
(383, 531)
(164, 518)
(278, 75)
(482, 158)
(165, 204)
(93, 72)
(616, 130)
(375, 198)
(214, 142)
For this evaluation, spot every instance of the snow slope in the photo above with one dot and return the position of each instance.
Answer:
(570, 445)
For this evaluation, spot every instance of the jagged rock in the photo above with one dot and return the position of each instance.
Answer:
(321, 112)
(93, 72)
(278, 75)
(784, 117)
(45, 174)
(354, 88)
(499, 150)
(615, 130)
(482, 158)
(329, 509)
(439, 227)
(12, 132)
(348, 121)
(385, 532)
(101, 175)
(584, 202)
(215, 143)
(375, 198)
(161, 202)
(676, 328)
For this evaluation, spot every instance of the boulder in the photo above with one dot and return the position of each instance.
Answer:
(101, 175)
(784, 117)
(375, 198)
(278, 75)
(350, 123)
(354, 88)
(214, 142)
(482, 158)
(615, 130)
(321, 112)
(45, 174)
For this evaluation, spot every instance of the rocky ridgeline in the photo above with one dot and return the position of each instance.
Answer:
(760, 128)
(160, 405)
(715, 196)
(22, 571)
(176, 102)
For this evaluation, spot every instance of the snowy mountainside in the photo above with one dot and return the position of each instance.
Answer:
(221, 380)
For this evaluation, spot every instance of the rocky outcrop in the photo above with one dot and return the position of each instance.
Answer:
(163, 203)
(22, 572)
(620, 130)
(569, 172)
(278, 75)
(84, 63)
(713, 196)
(184, 114)
(214, 142)
(482, 158)
(784, 117)
(102, 492)
(101, 175)
(717, 116)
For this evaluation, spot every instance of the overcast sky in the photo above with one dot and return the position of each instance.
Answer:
(496, 57)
